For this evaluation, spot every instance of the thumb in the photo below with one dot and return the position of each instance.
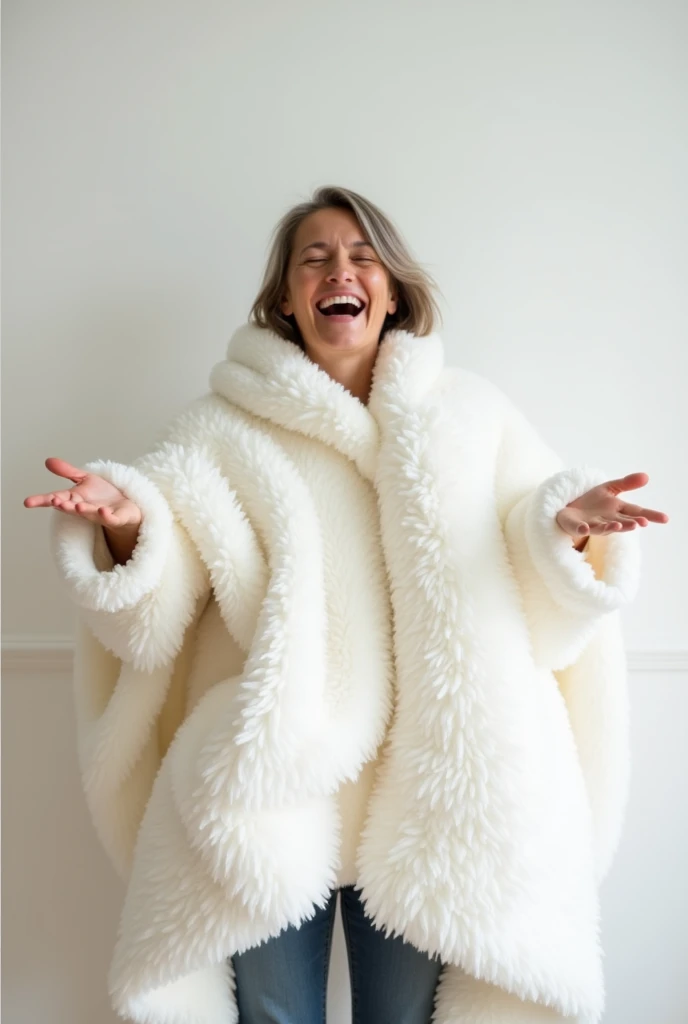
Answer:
(62, 468)
(572, 522)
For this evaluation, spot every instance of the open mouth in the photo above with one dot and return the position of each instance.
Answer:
(340, 309)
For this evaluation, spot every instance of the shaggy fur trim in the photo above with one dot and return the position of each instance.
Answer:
(477, 847)
(464, 999)
(139, 611)
(260, 377)
(125, 585)
(567, 574)
(562, 596)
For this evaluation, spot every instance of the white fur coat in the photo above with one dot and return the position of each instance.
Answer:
(318, 582)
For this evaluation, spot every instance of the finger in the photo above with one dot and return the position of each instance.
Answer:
(71, 504)
(116, 519)
(106, 513)
(651, 514)
(107, 516)
(630, 482)
(102, 513)
(62, 497)
(85, 508)
(38, 501)
(599, 525)
(62, 468)
(46, 500)
(572, 522)
(637, 520)
(654, 516)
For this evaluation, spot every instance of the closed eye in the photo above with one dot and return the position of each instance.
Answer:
(357, 259)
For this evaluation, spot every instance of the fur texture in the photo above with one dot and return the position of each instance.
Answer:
(353, 645)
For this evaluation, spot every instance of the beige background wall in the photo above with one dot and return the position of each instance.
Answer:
(535, 156)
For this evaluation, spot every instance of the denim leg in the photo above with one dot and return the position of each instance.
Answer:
(284, 980)
(392, 982)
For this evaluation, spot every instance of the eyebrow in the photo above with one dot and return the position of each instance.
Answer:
(323, 245)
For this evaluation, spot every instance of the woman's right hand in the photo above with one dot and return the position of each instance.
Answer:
(91, 498)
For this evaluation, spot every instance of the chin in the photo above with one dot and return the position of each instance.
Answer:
(349, 339)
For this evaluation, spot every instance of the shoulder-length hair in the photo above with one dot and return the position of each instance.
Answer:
(417, 309)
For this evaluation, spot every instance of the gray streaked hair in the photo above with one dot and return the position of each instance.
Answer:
(417, 308)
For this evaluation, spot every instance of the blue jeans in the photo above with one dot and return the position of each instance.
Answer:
(284, 980)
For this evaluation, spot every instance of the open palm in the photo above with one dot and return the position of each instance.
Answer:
(601, 510)
(91, 497)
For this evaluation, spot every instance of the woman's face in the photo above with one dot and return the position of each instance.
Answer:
(330, 257)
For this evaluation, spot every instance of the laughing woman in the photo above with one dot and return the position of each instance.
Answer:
(351, 629)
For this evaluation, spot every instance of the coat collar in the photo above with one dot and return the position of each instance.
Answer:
(272, 378)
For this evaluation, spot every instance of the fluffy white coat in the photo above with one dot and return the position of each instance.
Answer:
(321, 587)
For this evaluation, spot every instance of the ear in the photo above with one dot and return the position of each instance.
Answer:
(285, 306)
(392, 303)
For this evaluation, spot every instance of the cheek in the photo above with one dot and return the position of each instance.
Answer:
(377, 286)
(302, 287)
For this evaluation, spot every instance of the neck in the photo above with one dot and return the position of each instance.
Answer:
(353, 370)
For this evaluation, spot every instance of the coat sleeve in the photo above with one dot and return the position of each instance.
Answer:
(140, 610)
(154, 635)
(565, 592)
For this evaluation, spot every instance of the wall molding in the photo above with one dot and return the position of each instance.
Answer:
(48, 654)
(55, 654)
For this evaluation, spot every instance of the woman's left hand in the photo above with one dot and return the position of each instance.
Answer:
(602, 511)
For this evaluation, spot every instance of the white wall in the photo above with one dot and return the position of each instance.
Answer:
(535, 155)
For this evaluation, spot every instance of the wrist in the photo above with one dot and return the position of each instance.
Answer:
(121, 541)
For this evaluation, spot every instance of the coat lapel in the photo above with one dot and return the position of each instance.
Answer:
(273, 379)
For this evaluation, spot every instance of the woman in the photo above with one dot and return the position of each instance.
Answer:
(351, 627)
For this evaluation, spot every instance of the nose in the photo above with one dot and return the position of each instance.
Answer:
(340, 269)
